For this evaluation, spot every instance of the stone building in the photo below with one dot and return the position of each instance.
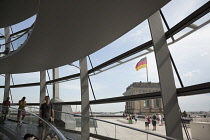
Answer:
(143, 106)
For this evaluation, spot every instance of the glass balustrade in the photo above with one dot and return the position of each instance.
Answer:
(69, 125)
(32, 125)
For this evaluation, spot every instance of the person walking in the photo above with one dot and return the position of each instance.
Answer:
(5, 110)
(154, 119)
(46, 113)
(147, 121)
(21, 110)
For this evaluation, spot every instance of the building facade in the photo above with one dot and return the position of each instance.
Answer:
(143, 106)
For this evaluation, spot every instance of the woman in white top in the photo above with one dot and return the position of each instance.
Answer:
(160, 119)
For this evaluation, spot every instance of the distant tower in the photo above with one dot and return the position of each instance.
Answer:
(143, 106)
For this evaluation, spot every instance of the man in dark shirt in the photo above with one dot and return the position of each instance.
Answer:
(6, 105)
(46, 113)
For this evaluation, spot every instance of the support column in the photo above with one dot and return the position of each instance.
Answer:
(7, 86)
(85, 106)
(42, 87)
(7, 37)
(55, 72)
(167, 83)
(7, 76)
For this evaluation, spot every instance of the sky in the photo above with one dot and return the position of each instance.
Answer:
(191, 56)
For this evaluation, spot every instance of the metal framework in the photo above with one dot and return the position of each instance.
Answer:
(186, 91)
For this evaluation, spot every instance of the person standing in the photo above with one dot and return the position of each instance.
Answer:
(147, 121)
(184, 114)
(154, 119)
(160, 119)
(21, 110)
(135, 118)
(6, 105)
(46, 113)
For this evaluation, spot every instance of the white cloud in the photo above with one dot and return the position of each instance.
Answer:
(68, 86)
(72, 85)
(138, 35)
(205, 53)
(191, 73)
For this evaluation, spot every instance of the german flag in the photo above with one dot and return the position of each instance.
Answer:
(141, 64)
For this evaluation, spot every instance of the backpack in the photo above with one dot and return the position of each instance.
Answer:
(154, 117)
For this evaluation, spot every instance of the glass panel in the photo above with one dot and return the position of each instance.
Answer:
(70, 91)
(69, 69)
(175, 11)
(191, 56)
(202, 19)
(31, 93)
(114, 82)
(2, 80)
(25, 78)
(1, 97)
(24, 24)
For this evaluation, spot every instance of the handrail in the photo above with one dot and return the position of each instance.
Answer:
(59, 134)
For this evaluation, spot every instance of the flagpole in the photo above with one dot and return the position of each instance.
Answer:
(147, 71)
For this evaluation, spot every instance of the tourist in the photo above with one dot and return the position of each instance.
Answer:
(131, 116)
(154, 119)
(46, 113)
(147, 121)
(21, 110)
(135, 118)
(5, 110)
(160, 119)
(184, 114)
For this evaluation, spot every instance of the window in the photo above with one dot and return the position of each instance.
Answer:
(156, 102)
(146, 103)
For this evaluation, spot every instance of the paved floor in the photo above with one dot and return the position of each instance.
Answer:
(122, 133)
